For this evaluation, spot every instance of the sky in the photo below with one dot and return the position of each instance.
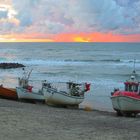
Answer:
(70, 20)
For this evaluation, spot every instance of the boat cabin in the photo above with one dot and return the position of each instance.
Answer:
(23, 82)
(132, 85)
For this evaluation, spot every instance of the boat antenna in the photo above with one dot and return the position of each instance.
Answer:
(29, 74)
(134, 71)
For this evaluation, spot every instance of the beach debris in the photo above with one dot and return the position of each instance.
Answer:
(88, 108)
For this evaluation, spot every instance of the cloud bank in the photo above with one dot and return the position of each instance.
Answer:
(70, 16)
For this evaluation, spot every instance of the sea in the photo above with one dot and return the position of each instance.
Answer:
(104, 65)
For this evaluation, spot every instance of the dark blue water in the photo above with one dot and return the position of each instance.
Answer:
(104, 65)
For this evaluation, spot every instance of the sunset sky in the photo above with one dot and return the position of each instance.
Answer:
(70, 20)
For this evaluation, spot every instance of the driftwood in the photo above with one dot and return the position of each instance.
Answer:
(10, 65)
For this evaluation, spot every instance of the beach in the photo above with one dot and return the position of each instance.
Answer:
(27, 121)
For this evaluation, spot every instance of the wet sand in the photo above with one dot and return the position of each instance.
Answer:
(24, 121)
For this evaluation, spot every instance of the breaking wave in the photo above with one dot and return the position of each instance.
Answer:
(69, 61)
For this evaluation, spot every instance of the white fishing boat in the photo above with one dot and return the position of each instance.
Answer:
(65, 94)
(127, 102)
(26, 92)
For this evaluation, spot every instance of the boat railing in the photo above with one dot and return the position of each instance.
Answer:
(66, 87)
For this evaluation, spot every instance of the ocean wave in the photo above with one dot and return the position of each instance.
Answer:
(111, 60)
(68, 61)
(102, 60)
(47, 62)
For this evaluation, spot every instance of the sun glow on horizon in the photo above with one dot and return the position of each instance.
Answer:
(25, 40)
(83, 37)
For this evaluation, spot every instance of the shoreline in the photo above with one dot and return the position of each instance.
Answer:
(22, 121)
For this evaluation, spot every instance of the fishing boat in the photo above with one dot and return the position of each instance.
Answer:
(29, 95)
(26, 91)
(8, 93)
(127, 102)
(65, 94)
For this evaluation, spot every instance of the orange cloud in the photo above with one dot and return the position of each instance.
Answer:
(109, 37)
(96, 37)
(81, 37)
(23, 38)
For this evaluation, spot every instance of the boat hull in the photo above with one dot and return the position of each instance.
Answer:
(126, 104)
(60, 98)
(8, 93)
(27, 95)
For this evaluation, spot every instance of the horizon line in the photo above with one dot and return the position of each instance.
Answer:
(61, 42)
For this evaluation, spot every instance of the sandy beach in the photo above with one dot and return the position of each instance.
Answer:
(25, 121)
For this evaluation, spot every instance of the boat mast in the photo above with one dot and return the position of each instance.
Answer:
(29, 74)
(134, 71)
